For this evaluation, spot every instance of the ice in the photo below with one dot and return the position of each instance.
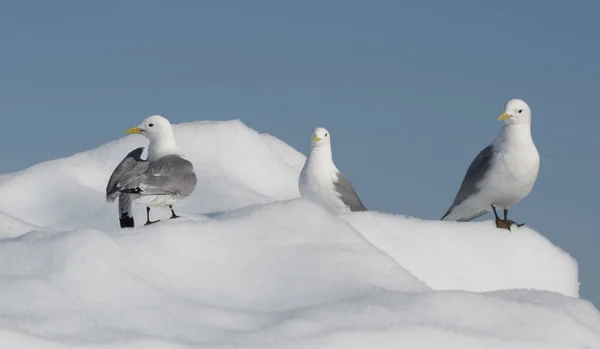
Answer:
(251, 265)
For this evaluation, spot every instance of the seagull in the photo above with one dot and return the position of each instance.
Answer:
(503, 173)
(163, 179)
(321, 182)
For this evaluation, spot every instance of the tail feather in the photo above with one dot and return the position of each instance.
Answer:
(125, 211)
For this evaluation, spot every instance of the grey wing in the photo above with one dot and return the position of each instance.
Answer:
(347, 194)
(470, 184)
(126, 174)
(169, 175)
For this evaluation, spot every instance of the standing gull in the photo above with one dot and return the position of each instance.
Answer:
(165, 178)
(321, 182)
(503, 173)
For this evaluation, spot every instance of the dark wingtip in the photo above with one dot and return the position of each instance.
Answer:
(135, 190)
(126, 221)
(136, 153)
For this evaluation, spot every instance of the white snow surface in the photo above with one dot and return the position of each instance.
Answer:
(252, 265)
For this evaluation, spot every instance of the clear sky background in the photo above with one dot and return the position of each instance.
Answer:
(410, 90)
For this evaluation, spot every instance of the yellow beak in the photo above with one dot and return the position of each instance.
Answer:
(316, 139)
(504, 116)
(133, 130)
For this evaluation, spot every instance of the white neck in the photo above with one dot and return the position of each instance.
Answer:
(321, 153)
(322, 158)
(163, 147)
(514, 134)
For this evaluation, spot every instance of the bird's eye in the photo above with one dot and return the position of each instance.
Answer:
(326, 135)
(520, 111)
(150, 125)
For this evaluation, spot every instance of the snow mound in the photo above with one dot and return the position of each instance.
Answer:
(12, 227)
(238, 167)
(251, 265)
(470, 256)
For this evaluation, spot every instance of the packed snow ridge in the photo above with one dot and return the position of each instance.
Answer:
(252, 265)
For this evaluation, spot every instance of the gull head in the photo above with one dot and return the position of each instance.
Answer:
(320, 138)
(153, 127)
(516, 112)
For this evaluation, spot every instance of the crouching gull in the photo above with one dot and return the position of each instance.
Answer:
(165, 178)
(503, 173)
(321, 182)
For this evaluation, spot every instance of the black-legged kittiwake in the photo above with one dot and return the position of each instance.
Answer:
(165, 178)
(321, 182)
(503, 173)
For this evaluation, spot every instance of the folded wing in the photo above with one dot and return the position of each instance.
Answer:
(348, 194)
(470, 187)
(169, 175)
(126, 174)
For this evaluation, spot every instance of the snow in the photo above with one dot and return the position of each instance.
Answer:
(470, 256)
(252, 265)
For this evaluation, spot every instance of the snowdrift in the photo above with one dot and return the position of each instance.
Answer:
(470, 256)
(251, 265)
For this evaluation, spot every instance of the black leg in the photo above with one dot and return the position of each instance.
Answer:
(173, 215)
(495, 213)
(148, 221)
(501, 223)
(508, 221)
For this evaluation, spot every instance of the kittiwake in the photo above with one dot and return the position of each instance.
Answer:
(165, 178)
(321, 182)
(503, 173)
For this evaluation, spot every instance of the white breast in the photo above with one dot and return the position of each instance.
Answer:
(316, 183)
(514, 169)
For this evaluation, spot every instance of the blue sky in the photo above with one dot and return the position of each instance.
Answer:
(410, 90)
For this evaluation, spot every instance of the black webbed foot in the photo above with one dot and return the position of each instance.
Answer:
(506, 223)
